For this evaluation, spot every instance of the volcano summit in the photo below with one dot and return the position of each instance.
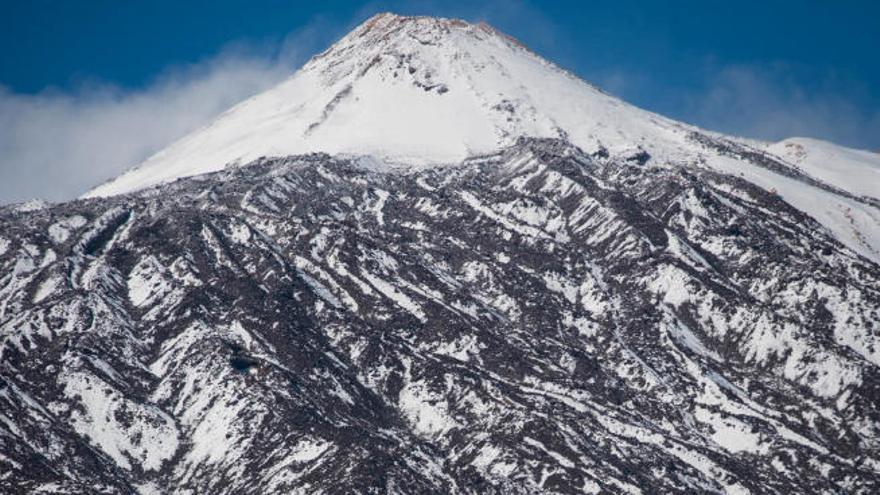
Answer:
(432, 262)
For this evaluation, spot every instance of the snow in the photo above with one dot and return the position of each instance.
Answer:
(730, 433)
(486, 456)
(562, 460)
(460, 349)
(853, 223)
(672, 283)
(31, 205)
(421, 92)
(685, 336)
(380, 205)
(389, 291)
(426, 411)
(308, 450)
(367, 96)
(523, 229)
(148, 488)
(561, 285)
(319, 289)
(147, 436)
(240, 233)
(856, 171)
(449, 380)
(239, 333)
(47, 288)
(584, 326)
(146, 282)
(61, 230)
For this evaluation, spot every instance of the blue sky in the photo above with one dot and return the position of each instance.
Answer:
(143, 73)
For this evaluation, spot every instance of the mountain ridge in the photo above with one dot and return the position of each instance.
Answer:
(540, 319)
(379, 44)
(421, 91)
(640, 307)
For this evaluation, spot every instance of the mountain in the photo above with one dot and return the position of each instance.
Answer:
(432, 262)
(421, 91)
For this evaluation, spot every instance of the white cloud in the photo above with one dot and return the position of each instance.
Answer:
(762, 101)
(768, 102)
(56, 145)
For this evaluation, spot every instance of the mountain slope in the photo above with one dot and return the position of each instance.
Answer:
(416, 90)
(494, 278)
(536, 320)
(852, 170)
(422, 91)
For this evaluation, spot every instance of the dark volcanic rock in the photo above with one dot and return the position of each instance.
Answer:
(539, 320)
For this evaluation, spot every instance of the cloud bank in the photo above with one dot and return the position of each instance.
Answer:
(56, 145)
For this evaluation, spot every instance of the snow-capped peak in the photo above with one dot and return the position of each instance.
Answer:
(419, 90)
(422, 91)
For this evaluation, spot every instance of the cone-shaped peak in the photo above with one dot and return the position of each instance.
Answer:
(413, 90)
(381, 25)
(421, 91)
(392, 37)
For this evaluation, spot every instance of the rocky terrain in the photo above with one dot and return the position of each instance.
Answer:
(537, 320)
(544, 317)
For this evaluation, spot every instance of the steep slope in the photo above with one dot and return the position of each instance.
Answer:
(540, 319)
(493, 278)
(420, 91)
(415, 90)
